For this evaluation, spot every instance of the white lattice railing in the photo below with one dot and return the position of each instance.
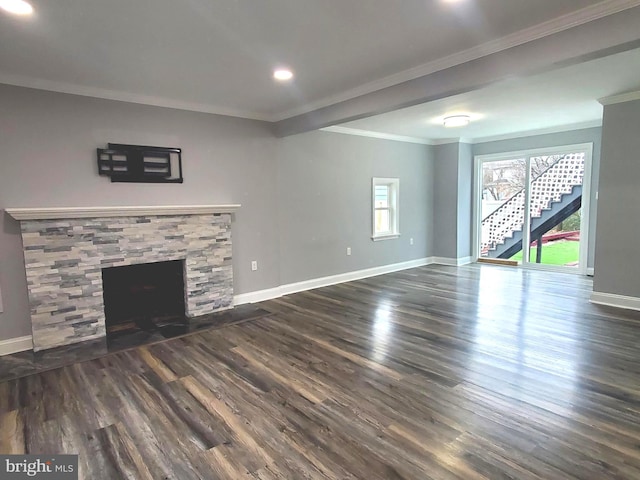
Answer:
(547, 188)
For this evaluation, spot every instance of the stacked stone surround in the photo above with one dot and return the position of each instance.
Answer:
(64, 261)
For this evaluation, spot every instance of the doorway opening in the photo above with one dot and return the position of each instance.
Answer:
(537, 198)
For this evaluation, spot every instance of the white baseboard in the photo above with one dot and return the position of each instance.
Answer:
(350, 276)
(257, 296)
(612, 300)
(15, 345)
(261, 295)
(453, 262)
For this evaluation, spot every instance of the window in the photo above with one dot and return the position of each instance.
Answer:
(385, 208)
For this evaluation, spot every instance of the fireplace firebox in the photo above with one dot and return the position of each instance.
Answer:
(143, 294)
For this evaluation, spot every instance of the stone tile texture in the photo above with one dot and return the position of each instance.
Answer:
(64, 261)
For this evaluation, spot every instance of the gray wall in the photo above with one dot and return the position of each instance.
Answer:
(306, 197)
(48, 159)
(453, 200)
(323, 179)
(465, 200)
(587, 135)
(445, 200)
(617, 260)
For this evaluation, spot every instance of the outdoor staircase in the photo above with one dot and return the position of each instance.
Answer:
(555, 195)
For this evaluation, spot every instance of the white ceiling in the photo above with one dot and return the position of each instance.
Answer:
(217, 55)
(556, 100)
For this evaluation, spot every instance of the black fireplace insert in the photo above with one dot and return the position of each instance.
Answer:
(143, 296)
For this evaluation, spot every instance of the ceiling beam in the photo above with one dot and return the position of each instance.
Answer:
(599, 38)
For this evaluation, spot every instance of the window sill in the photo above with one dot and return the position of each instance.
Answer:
(390, 236)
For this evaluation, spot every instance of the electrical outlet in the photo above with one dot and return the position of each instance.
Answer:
(411, 241)
(348, 250)
(254, 265)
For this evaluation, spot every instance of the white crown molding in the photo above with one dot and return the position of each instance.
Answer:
(95, 92)
(550, 27)
(622, 98)
(540, 131)
(116, 211)
(15, 345)
(371, 134)
(612, 300)
(449, 141)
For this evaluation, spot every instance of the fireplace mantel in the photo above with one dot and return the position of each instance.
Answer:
(116, 211)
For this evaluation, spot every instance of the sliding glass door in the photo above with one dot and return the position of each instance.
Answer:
(537, 198)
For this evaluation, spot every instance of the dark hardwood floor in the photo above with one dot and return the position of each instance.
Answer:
(138, 333)
(477, 372)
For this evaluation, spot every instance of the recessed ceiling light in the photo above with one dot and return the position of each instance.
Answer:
(18, 7)
(456, 121)
(282, 74)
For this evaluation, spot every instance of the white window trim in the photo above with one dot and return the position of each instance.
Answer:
(394, 210)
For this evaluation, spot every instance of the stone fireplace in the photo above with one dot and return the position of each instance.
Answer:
(66, 250)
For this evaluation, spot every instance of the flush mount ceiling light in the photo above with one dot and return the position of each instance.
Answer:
(17, 7)
(456, 121)
(282, 74)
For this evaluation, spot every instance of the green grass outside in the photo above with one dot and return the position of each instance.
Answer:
(554, 253)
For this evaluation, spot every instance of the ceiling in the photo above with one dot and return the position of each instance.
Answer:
(218, 55)
(555, 100)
